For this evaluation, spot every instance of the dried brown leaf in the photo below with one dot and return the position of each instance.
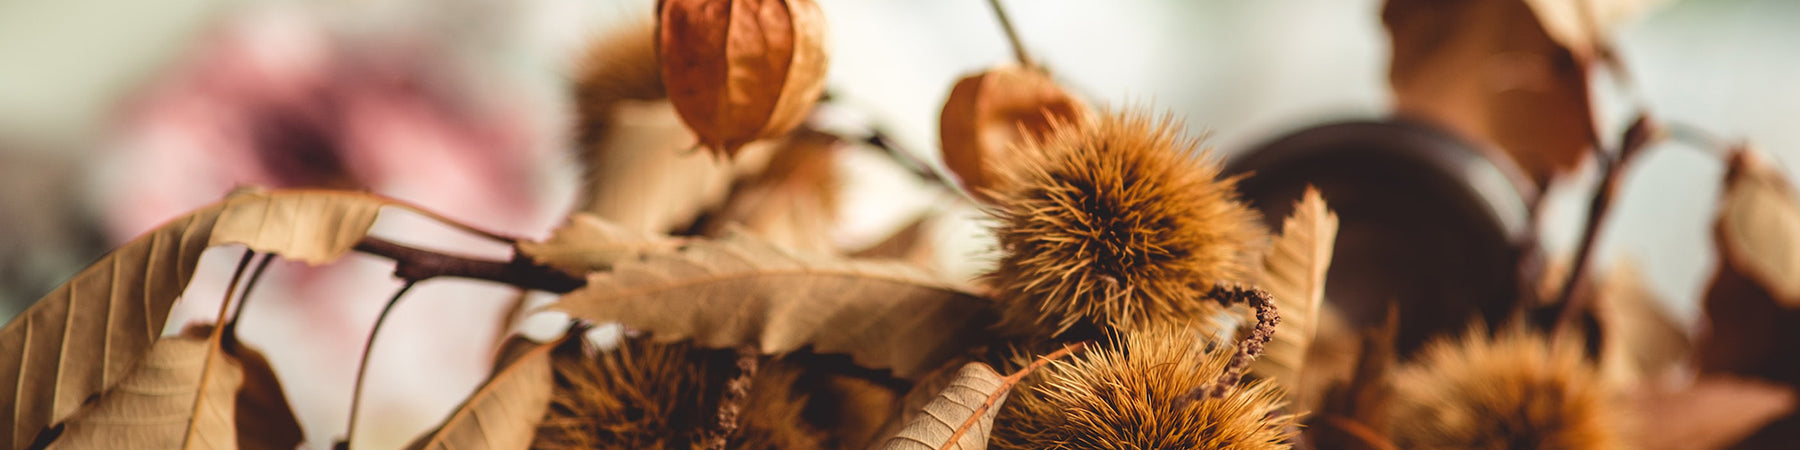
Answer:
(1759, 227)
(1582, 25)
(93, 331)
(975, 387)
(1293, 272)
(638, 176)
(741, 70)
(1488, 70)
(742, 291)
(1714, 412)
(265, 420)
(1641, 340)
(990, 111)
(504, 413)
(911, 243)
(154, 405)
(587, 243)
(792, 202)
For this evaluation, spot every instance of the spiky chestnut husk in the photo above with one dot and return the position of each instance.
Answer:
(646, 394)
(1516, 389)
(1145, 390)
(1113, 222)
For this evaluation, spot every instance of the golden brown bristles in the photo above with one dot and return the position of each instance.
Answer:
(1514, 390)
(1116, 222)
(654, 395)
(1139, 394)
(630, 397)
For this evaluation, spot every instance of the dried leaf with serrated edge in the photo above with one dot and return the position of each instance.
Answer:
(955, 406)
(1293, 272)
(989, 111)
(587, 243)
(1488, 70)
(155, 405)
(93, 331)
(1759, 227)
(741, 70)
(740, 290)
(505, 412)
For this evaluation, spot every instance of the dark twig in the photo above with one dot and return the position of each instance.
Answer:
(414, 265)
(1012, 35)
(731, 405)
(1568, 306)
(369, 348)
(255, 276)
(1250, 347)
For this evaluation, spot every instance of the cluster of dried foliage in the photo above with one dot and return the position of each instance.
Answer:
(1137, 302)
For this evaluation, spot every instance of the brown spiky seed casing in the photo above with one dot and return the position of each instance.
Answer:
(646, 394)
(1513, 390)
(1115, 221)
(1138, 393)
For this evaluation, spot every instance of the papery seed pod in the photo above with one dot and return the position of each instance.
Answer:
(1115, 224)
(1513, 390)
(989, 111)
(741, 70)
(1139, 392)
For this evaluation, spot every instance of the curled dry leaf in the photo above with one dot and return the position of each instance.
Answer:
(586, 243)
(93, 331)
(989, 111)
(741, 70)
(1759, 227)
(1751, 312)
(742, 291)
(975, 387)
(792, 202)
(638, 176)
(504, 413)
(1293, 272)
(1487, 69)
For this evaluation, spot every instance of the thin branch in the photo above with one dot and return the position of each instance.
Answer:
(363, 368)
(1569, 306)
(1006, 385)
(414, 265)
(1012, 35)
(255, 276)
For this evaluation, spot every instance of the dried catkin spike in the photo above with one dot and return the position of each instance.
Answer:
(988, 111)
(741, 70)
(1137, 393)
(1115, 223)
(1513, 390)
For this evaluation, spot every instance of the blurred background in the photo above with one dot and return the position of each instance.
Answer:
(117, 116)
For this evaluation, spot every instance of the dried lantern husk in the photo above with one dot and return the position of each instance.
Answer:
(988, 111)
(741, 70)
